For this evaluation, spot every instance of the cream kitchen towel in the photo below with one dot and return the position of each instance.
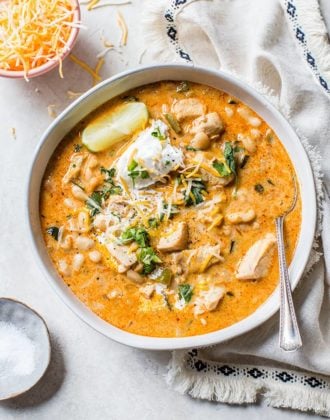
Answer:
(281, 48)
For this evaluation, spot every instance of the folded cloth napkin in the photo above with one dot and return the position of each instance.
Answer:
(282, 49)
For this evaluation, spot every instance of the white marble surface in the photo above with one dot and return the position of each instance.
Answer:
(90, 377)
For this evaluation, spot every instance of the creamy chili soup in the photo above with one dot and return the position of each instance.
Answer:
(158, 210)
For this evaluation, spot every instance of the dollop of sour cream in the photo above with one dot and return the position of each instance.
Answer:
(153, 152)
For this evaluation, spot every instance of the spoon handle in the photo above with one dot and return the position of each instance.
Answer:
(290, 339)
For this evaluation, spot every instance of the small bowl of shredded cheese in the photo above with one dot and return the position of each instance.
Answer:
(36, 35)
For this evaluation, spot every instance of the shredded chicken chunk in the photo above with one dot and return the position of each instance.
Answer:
(208, 300)
(188, 108)
(198, 260)
(176, 241)
(209, 124)
(123, 256)
(148, 290)
(256, 262)
(74, 169)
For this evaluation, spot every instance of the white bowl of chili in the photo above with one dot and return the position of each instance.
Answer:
(118, 85)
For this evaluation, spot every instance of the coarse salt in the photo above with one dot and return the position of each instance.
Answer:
(17, 351)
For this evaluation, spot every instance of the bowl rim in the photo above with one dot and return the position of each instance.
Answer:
(49, 348)
(51, 64)
(255, 319)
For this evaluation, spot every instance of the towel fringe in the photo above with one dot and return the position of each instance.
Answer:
(241, 389)
(298, 399)
(208, 387)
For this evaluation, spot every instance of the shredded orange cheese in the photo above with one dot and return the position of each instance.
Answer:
(13, 132)
(86, 67)
(95, 4)
(34, 32)
(122, 25)
(73, 95)
(98, 67)
(91, 4)
(51, 110)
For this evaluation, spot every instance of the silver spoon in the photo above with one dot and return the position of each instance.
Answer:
(289, 337)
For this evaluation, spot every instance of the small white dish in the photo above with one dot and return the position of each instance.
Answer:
(23, 320)
(117, 85)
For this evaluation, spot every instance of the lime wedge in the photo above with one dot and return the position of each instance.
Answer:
(108, 130)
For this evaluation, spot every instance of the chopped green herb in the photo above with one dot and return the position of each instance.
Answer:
(157, 133)
(174, 123)
(77, 147)
(192, 149)
(131, 166)
(167, 162)
(229, 166)
(259, 188)
(244, 161)
(230, 158)
(53, 231)
(153, 222)
(173, 211)
(270, 182)
(134, 172)
(164, 277)
(232, 246)
(139, 235)
(144, 174)
(269, 137)
(221, 168)
(185, 292)
(183, 87)
(195, 197)
(109, 172)
(149, 259)
(94, 203)
(238, 149)
(110, 188)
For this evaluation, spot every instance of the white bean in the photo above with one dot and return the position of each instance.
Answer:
(69, 203)
(248, 143)
(241, 216)
(255, 121)
(255, 133)
(95, 256)
(64, 268)
(246, 114)
(100, 222)
(134, 276)
(78, 193)
(201, 141)
(66, 242)
(229, 111)
(77, 262)
(83, 222)
(83, 243)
